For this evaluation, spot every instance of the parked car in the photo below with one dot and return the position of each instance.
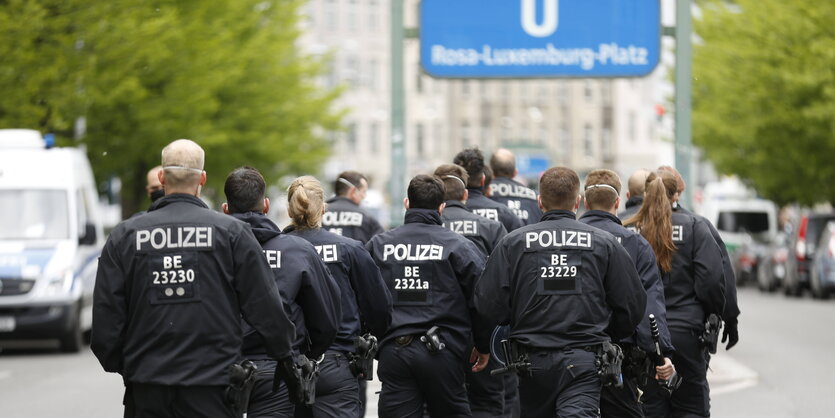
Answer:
(822, 278)
(774, 264)
(804, 244)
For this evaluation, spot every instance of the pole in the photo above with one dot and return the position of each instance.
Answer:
(684, 84)
(398, 115)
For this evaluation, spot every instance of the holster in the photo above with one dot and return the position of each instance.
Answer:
(710, 337)
(432, 340)
(517, 360)
(637, 364)
(361, 362)
(241, 381)
(309, 370)
(609, 361)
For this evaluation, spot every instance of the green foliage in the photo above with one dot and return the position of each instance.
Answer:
(764, 95)
(226, 74)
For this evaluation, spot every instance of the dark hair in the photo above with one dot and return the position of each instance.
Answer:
(473, 161)
(425, 192)
(559, 188)
(349, 179)
(602, 198)
(655, 218)
(503, 163)
(244, 190)
(454, 178)
(488, 177)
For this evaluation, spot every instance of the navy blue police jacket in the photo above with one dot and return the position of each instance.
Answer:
(171, 287)
(632, 206)
(561, 283)
(311, 295)
(430, 272)
(730, 313)
(483, 232)
(644, 258)
(482, 205)
(346, 218)
(695, 287)
(520, 199)
(365, 299)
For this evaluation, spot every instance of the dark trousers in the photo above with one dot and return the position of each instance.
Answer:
(692, 398)
(363, 386)
(263, 402)
(161, 401)
(337, 390)
(485, 392)
(412, 376)
(621, 402)
(511, 396)
(561, 384)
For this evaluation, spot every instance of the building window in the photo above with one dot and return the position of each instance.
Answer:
(351, 71)
(565, 142)
(606, 143)
(633, 135)
(588, 141)
(588, 91)
(465, 88)
(374, 137)
(373, 15)
(466, 135)
(420, 145)
(371, 77)
(351, 137)
(562, 92)
(352, 15)
(331, 13)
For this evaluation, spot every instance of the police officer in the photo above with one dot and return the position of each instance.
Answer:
(565, 288)
(430, 272)
(520, 199)
(153, 186)
(310, 294)
(730, 314)
(635, 193)
(170, 290)
(366, 302)
(486, 392)
(473, 161)
(687, 257)
(602, 198)
(344, 216)
(483, 232)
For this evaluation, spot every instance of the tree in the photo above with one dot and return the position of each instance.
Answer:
(225, 73)
(764, 95)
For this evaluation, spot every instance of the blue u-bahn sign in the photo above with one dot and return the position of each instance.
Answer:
(539, 38)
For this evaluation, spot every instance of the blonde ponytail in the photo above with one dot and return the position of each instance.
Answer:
(306, 202)
(655, 218)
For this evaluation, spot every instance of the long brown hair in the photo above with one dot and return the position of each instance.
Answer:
(305, 199)
(655, 218)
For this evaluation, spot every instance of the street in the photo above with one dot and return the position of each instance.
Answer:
(783, 367)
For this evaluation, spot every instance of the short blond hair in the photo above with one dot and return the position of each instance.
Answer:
(182, 162)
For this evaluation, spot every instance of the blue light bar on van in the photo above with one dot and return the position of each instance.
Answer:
(49, 140)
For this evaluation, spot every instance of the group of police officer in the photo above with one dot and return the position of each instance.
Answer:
(490, 300)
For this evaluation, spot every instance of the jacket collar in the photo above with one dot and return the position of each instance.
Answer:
(423, 216)
(177, 198)
(600, 214)
(553, 215)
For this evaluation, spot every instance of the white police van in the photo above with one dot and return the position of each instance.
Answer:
(50, 240)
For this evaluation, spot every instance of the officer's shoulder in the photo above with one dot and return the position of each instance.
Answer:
(291, 244)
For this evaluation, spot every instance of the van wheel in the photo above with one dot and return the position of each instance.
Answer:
(73, 340)
(818, 291)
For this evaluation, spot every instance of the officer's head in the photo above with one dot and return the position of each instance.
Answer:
(182, 167)
(473, 161)
(680, 185)
(351, 184)
(559, 188)
(306, 202)
(152, 186)
(637, 183)
(602, 190)
(425, 192)
(488, 178)
(455, 181)
(244, 190)
(503, 163)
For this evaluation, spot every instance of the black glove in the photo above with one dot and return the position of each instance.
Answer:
(286, 371)
(730, 334)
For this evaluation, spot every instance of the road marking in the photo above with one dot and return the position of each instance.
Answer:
(728, 375)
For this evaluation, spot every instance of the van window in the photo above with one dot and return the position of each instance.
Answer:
(33, 214)
(751, 222)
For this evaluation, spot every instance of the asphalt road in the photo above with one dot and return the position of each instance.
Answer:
(783, 367)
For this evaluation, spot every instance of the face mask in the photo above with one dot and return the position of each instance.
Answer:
(157, 194)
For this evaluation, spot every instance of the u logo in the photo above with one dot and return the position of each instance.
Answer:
(549, 21)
